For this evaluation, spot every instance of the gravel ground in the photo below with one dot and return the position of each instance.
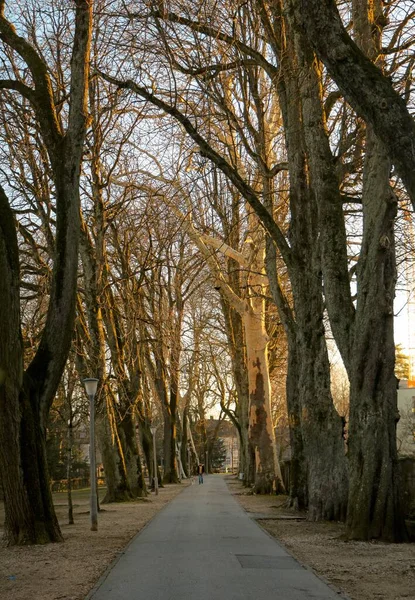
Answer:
(361, 570)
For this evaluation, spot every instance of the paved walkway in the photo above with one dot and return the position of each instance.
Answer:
(203, 546)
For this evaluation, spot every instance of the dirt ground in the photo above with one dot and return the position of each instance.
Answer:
(69, 570)
(360, 570)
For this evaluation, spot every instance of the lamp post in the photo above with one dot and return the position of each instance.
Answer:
(153, 430)
(91, 389)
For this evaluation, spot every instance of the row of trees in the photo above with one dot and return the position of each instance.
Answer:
(195, 185)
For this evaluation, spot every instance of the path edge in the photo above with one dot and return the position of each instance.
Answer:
(333, 587)
(112, 564)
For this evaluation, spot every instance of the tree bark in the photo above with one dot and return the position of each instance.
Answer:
(134, 470)
(237, 349)
(320, 442)
(170, 474)
(110, 459)
(19, 527)
(375, 509)
(298, 491)
(30, 516)
(365, 335)
(261, 433)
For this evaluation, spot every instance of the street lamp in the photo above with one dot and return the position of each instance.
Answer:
(91, 389)
(153, 430)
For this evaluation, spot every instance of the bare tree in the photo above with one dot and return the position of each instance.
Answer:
(369, 91)
(364, 333)
(296, 254)
(26, 396)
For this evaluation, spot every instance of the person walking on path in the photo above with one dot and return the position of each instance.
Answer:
(200, 471)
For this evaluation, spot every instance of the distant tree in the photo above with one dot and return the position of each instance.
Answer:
(401, 363)
(57, 450)
(217, 455)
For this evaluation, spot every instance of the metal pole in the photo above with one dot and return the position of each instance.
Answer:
(156, 479)
(93, 499)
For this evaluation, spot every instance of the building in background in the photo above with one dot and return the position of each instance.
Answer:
(227, 436)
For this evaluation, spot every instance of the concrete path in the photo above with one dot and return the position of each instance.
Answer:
(203, 546)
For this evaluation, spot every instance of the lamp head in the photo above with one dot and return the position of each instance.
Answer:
(90, 384)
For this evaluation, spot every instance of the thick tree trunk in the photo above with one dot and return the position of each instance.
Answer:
(24, 523)
(147, 445)
(319, 444)
(184, 448)
(36, 475)
(246, 458)
(321, 425)
(298, 495)
(298, 491)
(132, 457)
(240, 372)
(237, 349)
(108, 458)
(375, 509)
(118, 489)
(364, 336)
(170, 474)
(30, 516)
(268, 477)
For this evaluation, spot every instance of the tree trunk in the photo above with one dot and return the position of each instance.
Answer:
(365, 335)
(132, 457)
(298, 492)
(44, 524)
(237, 349)
(321, 425)
(320, 444)
(30, 516)
(118, 489)
(184, 448)
(268, 477)
(25, 523)
(170, 474)
(246, 458)
(375, 509)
